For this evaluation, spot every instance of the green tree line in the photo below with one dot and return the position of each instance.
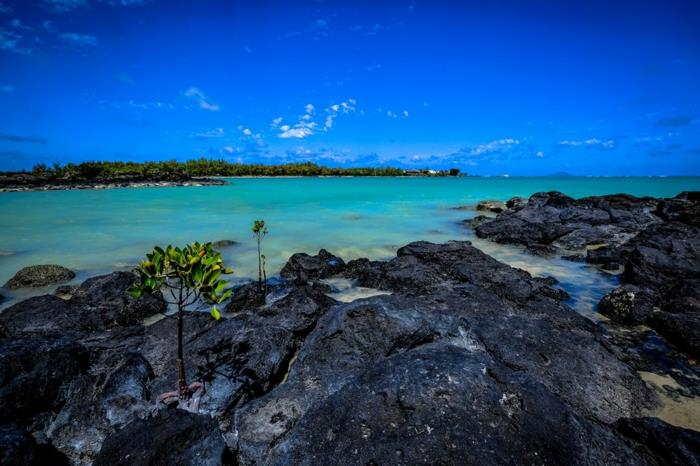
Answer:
(209, 167)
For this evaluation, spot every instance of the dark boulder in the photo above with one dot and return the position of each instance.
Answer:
(19, 448)
(302, 267)
(245, 298)
(39, 275)
(35, 373)
(114, 392)
(491, 206)
(516, 202)
(628, 304)
(97, 304)
(666, 444)
(169, 438)
(554, 219)
(442, 404)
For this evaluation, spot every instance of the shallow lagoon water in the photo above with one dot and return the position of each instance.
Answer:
(94, 231)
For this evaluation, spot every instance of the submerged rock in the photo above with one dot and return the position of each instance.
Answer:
(224, 243)
(491, 206)
(39, 275)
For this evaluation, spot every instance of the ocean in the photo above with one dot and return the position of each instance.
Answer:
(96, 231)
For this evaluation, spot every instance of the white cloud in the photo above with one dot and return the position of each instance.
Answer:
(493, 146)
(276, 122)
(391, 114)
(539, 154)
(244, 130)
(309, 108)
(229, 149)
(78, 40)
(329, 122)
(405, 113)
(203, 101)
(605, 144)
(212, 133)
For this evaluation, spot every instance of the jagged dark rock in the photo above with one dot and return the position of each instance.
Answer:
(97, 304)
(302, 267)
(670, 445)
(39, 275)
(35, 372)
(169, 438)
(19, 448)
(491, 206)
(628, 304)
(467, 360)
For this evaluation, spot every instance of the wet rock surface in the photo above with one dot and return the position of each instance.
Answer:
(654, 242)
(39, 275)
(467, 360)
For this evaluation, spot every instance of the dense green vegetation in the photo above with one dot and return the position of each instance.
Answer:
(209, 167)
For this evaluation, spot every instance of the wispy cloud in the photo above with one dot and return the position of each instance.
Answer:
(201, 99)
(78, 40)
(27, 139)
(7, 89)
(17, 24)
(673, 122)
(10, 41)
(5, 9)
(493, 146)
(66, 6)
(592, 142)
(334, 110)
(212, 133)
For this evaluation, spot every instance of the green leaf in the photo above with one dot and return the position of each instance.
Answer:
(215, 313)
(135, 292)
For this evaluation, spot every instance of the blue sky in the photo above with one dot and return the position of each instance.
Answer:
(492, 87)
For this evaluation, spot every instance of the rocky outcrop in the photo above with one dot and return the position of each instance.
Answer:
(97, 304)
(656, 242)
(467, 360)
(39, 275)
(553, 221)
(495, 207)
(302, 267)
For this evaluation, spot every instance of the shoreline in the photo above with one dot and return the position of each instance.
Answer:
(193, 182)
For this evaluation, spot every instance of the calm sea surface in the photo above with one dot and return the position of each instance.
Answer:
(95, 231)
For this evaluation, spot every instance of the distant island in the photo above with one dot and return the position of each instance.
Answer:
(105, 175)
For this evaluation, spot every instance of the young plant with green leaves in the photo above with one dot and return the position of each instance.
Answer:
(259, 232)
(191, 279)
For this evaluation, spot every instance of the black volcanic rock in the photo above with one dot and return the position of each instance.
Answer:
(34, 374)
(170, 438)
(467, 360)
(452, 304)
(302, 267)
(563, 222)
(97, 304)
(39, 275)
(668, 444)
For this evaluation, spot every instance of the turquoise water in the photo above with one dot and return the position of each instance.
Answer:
(94, 231)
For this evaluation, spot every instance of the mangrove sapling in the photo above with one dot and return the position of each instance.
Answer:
(189, 278)
(259, 232)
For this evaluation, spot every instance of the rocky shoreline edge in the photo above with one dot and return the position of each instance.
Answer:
(21, 182)
(462, 360)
